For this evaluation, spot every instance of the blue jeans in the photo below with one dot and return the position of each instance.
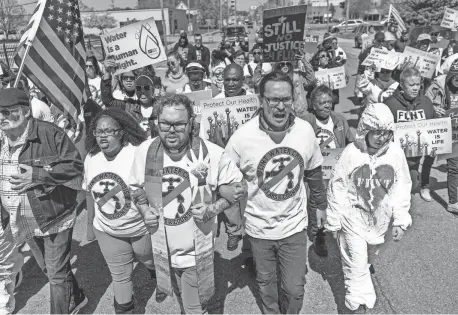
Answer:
(52, 254)
(291, 253)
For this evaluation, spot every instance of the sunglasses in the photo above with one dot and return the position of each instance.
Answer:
(285, 64)
(128, 77)
(171, 63)
(141, 88)
(6, 112)
(256, 53)
(323, 56)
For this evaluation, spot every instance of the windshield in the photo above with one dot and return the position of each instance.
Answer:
(235, 31)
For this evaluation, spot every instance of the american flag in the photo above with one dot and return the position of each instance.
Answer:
(56, 61)
(394, 15)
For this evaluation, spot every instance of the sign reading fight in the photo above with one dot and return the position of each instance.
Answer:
(450, 19)
(330, 158)
(283, 32)
(196, 98)
(134, 46)
(333, 78)
(222, 117)
(382, 59)
(453, 114)
(425, 137)
(422, 60)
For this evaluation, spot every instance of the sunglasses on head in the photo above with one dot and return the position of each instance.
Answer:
(128, 77)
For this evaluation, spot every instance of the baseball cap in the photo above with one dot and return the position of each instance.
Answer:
(13, 97)
(423, 36)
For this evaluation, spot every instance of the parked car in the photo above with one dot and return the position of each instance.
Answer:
(233, 31)
(365, 28)
(352, 24)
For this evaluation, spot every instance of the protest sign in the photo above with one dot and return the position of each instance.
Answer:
(330, 158)
(453, 114)
(382, 59)
(222, 117)
(366, 41)
(312, 39)
(1, 70)
(283, 32)
(422, 60)
(134, 46)
(196, 98)
(334, 77)
(450, 19)
(425, 137)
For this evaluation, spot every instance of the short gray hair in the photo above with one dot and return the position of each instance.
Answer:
(409, 72)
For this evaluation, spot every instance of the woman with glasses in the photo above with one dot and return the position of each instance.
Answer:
(126, 92)
(175, 76)
(370, 188)
(94, 75)
(113, 217)
(256, 70)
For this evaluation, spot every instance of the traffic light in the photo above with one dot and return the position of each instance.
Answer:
(342, 5)
(232, 5)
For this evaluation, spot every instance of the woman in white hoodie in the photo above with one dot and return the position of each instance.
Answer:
(370, 187)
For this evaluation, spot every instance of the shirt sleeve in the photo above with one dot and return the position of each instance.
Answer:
(316, 159)
(228, 172)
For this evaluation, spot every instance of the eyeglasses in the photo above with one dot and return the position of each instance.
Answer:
(382, 134)
(128, 77)
(89, 66)
(435, 34)
(285, 64)
(275, 102)
(6, 112)
(171, 63)
(178, 127)
(141, 88)
(105, 132)
(256, 53)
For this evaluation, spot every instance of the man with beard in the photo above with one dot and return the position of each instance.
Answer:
(275, 151)
(233, 82)
(202, 53)
(185, 49)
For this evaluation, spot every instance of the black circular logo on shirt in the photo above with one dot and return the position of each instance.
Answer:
(280, 172)
(176, 196)
(111, 194)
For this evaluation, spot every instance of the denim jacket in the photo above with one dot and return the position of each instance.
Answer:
(57, 173)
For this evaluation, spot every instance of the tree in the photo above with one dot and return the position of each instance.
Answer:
(424, 12)
(11, 16)
(100, 21)
(85, 8)
(358, 7)
(332, 10)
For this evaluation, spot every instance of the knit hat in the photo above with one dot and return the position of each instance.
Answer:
(379, 37)
(12, 97)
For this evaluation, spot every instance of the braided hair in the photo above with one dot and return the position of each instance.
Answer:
(133, 132)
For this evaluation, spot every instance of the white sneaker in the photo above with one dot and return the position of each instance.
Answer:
(453, 208)
(425, 194)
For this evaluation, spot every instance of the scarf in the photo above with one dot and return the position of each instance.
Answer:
(203, 236)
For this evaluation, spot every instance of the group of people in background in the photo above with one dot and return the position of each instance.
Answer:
(156, 192)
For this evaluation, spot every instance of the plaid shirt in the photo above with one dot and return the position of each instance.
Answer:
(22, 221)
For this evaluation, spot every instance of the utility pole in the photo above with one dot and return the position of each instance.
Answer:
(221, 15)
(164, 29)
(347, 15)
(112, 4)
(189, 17)
(327, 15)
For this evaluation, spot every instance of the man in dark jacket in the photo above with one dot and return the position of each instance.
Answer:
(185, 49)
(41, 174)
(202, 53)
(407, 104)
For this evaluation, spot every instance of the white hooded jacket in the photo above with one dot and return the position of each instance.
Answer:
(366, 191)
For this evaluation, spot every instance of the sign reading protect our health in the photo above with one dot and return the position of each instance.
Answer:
(425, 137)
(134, 46)
(283, 32)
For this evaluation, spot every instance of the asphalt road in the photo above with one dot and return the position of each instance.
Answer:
(416, 275)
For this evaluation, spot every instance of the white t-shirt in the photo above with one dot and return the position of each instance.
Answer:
(146, 113)
(276, 212)
(179, 222)
(120, 95)
(94, 87)
(326, 132)
(266, 67)
(118, 216)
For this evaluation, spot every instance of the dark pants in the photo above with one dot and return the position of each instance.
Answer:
(414, 166)
(53, 256)
(452, 180)
(291, 253)
(234, 220)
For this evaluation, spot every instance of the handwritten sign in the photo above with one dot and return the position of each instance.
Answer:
(283, 32)
(196, 98)
(334, 77)
(450, 19)
(382, 59)
(425, 137)
(330, 158)
(453, 114)
(134, 46)
(312, 39)
(366, 41)
(422, 60)
(222, 117)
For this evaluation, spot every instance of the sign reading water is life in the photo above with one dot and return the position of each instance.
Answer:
(134, 46)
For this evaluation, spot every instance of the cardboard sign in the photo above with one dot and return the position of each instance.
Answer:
(312, 39)
(196, 98)
(333, 78)
(422, 60)
(450, 19)
(453, 114)
(134, 46)
(425, 137)
(366, 41)
(382, 59)
(222, 117)
(283, 33)
(1, 70)
(330, 158)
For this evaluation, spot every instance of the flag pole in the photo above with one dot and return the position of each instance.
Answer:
(21, 66)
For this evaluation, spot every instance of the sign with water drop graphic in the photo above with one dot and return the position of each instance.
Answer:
(135, 45)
